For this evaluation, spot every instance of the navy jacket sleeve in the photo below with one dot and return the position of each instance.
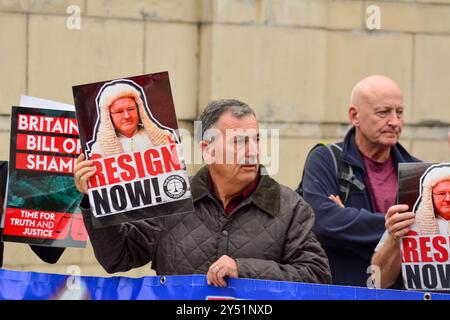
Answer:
(122, 247)
(337, 226)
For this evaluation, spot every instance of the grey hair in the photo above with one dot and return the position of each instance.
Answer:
(216, 108)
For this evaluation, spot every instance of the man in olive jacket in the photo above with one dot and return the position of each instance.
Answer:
(244, 223)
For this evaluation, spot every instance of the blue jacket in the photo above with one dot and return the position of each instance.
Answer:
(348, 235)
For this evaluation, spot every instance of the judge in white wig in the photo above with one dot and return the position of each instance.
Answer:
(145, 132)
(428, 221)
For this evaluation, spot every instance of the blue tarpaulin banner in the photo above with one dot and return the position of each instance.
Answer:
(19, 285)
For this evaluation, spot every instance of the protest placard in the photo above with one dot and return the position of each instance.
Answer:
(425, 250)
(128, 129)
(42, 204)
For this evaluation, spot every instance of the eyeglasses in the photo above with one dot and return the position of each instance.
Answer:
(441, 195)
(121, 113)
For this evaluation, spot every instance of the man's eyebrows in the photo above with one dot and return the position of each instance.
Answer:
(389, 107)
(125, 107)
(246, 134)
(243, 137)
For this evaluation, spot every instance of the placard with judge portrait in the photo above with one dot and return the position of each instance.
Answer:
(425, 250)
(128, 129)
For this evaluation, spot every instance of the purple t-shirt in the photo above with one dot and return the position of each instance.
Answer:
(382, 180)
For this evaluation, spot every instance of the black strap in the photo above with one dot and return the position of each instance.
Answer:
(344, 172)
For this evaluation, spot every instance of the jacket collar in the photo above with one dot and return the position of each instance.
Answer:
(199, 184)
(266, 196)
(352, 155)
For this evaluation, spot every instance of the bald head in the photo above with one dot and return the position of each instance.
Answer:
(371, 88)
(376, 112)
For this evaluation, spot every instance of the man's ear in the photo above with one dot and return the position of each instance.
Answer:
(353, 115)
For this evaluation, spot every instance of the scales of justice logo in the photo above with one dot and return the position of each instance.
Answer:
(175, 186)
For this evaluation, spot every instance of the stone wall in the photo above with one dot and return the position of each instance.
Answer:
(294, 61)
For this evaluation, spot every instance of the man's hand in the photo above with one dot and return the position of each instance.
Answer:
(82, 172)
(398, 221)
(337, 200)
(224, 267)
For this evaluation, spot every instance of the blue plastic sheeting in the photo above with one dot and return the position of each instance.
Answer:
(16, 285)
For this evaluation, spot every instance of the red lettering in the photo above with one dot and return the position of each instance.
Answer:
(111, 170)
(410, 253)
(98, 179)
(170, 157)
(439, 245)
(129, 173)
(425, 249)
(154, 166)
(128, 167)
(139, 165)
